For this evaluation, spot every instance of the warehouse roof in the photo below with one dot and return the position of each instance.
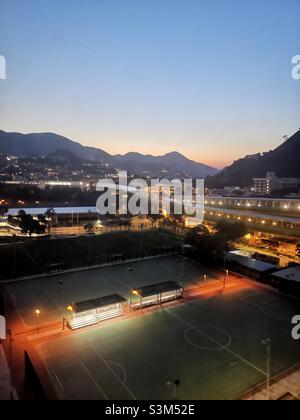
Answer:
(291, 274)
(155, 289)
(35, 211)
(88, 305)
(251, 263)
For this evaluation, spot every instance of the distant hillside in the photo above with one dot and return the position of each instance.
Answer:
(65, 154)
(44, 144)
(284, 161)
(172, 163)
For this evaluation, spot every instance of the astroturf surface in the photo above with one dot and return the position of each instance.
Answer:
(213, 346)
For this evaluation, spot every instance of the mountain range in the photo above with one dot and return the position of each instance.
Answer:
(45, 144)
(284, 161)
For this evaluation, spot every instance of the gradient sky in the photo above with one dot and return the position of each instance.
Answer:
(209, 78)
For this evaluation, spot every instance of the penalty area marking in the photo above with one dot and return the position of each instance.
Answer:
(55, 374)
(113, 372)
(121, 368)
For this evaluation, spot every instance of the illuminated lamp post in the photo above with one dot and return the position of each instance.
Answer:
(136, 293)
(267, 343)
(38, 313)
(174, 385)
(226, 277)
(70, 309)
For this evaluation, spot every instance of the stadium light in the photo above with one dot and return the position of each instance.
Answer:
(226, 276)
(267, 343)
(135, 292)
(38, 312)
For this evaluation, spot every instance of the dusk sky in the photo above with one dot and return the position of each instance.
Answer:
(211, 79)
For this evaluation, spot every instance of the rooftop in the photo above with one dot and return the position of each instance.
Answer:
(251, 263)
(291, 274)
(155, 289)
(35, 211)
(88, 305)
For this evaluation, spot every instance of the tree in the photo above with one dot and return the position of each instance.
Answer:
(50, 215)
(214, 245)
(29, 225)
(196, 234)
(89, 228)
(3, 210)
(231, 230)
(42, 219)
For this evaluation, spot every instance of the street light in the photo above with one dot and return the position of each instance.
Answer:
(226, 271)
(226, 277)
(37, 313)
(182, 271)
(174, 385)
(267, 343)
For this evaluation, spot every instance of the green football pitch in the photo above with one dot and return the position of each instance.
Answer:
(52, 295)
(214, 347)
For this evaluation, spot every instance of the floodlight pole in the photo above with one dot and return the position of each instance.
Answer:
(37, 312)
(226, 274)
(224, 279)
(183, 259)
(61, 284)
(174, 386)
(267, 343)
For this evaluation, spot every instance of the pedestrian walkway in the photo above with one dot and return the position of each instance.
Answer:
(286, 388)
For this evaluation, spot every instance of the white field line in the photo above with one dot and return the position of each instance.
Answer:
(93, 380)
(217, 343)
(113, 372)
